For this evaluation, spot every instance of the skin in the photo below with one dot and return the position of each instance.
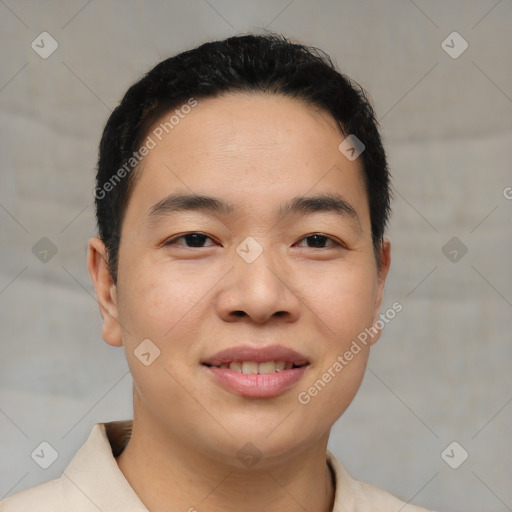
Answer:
(256, 152)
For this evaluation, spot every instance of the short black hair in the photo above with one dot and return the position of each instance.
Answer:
(268, 63)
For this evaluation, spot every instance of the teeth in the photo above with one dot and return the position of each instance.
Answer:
(249, 367)
(280, 365)
(267, 367)
(252, 367)
(236, 367)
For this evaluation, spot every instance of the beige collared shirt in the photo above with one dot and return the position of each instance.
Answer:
(93, 482)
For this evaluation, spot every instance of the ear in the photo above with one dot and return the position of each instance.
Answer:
(382, 272)
(106, 292)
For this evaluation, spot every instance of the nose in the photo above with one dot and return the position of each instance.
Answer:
(259, 291)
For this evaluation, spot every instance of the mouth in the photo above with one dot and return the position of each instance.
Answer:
(256, 373)
(255, 368)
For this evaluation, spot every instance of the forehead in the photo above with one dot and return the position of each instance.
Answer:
(260, 124)
(245, 147)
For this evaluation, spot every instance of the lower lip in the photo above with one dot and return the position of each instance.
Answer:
(256, 385)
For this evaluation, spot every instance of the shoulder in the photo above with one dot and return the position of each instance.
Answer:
(45, 497)
(92, 481)
(378, 499)
(355, 496)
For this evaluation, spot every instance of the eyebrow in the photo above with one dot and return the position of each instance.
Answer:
(320, 203)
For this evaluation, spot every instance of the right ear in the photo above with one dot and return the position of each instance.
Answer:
(106, 292)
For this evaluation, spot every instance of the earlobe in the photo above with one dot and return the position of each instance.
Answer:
(106, 291)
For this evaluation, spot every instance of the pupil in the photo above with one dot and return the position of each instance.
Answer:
(195, 238)
(317, 239)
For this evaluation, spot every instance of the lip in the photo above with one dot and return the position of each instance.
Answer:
(256, 385)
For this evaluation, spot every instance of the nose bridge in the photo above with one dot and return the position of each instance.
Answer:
(257, 267)
(258, 284)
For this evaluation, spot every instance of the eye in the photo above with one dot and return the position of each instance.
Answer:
(196, 240)
(318, 240)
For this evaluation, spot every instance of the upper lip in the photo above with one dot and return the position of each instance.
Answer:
(258, 355)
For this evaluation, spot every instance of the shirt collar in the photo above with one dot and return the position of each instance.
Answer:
(94, 472)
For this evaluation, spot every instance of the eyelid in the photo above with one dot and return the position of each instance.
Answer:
(334, 240)
(174, 238)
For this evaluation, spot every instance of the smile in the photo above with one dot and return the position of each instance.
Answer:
(254, 368)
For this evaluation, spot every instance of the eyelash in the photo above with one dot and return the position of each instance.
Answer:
(172, 241)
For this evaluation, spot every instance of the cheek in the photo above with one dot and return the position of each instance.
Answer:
(344, 308)
(156, 300)
(163, 307)
(166, 303)
(342, 299)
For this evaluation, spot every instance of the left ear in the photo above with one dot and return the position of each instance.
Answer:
(382, 272)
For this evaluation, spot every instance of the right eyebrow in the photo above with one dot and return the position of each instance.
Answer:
(174, 203)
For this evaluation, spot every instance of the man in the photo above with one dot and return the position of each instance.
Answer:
(242, 197)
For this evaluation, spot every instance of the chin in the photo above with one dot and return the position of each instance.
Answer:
(263, 447)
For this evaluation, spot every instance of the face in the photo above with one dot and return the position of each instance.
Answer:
(276, 273)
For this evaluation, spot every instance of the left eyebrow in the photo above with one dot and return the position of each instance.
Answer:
(321, 203)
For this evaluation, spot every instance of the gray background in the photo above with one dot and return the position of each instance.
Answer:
(441, 371)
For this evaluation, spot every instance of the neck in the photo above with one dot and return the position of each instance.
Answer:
(168, 475)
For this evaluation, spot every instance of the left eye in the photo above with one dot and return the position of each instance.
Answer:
(318, 240)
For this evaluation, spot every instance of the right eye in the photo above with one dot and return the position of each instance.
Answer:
(195, 239)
